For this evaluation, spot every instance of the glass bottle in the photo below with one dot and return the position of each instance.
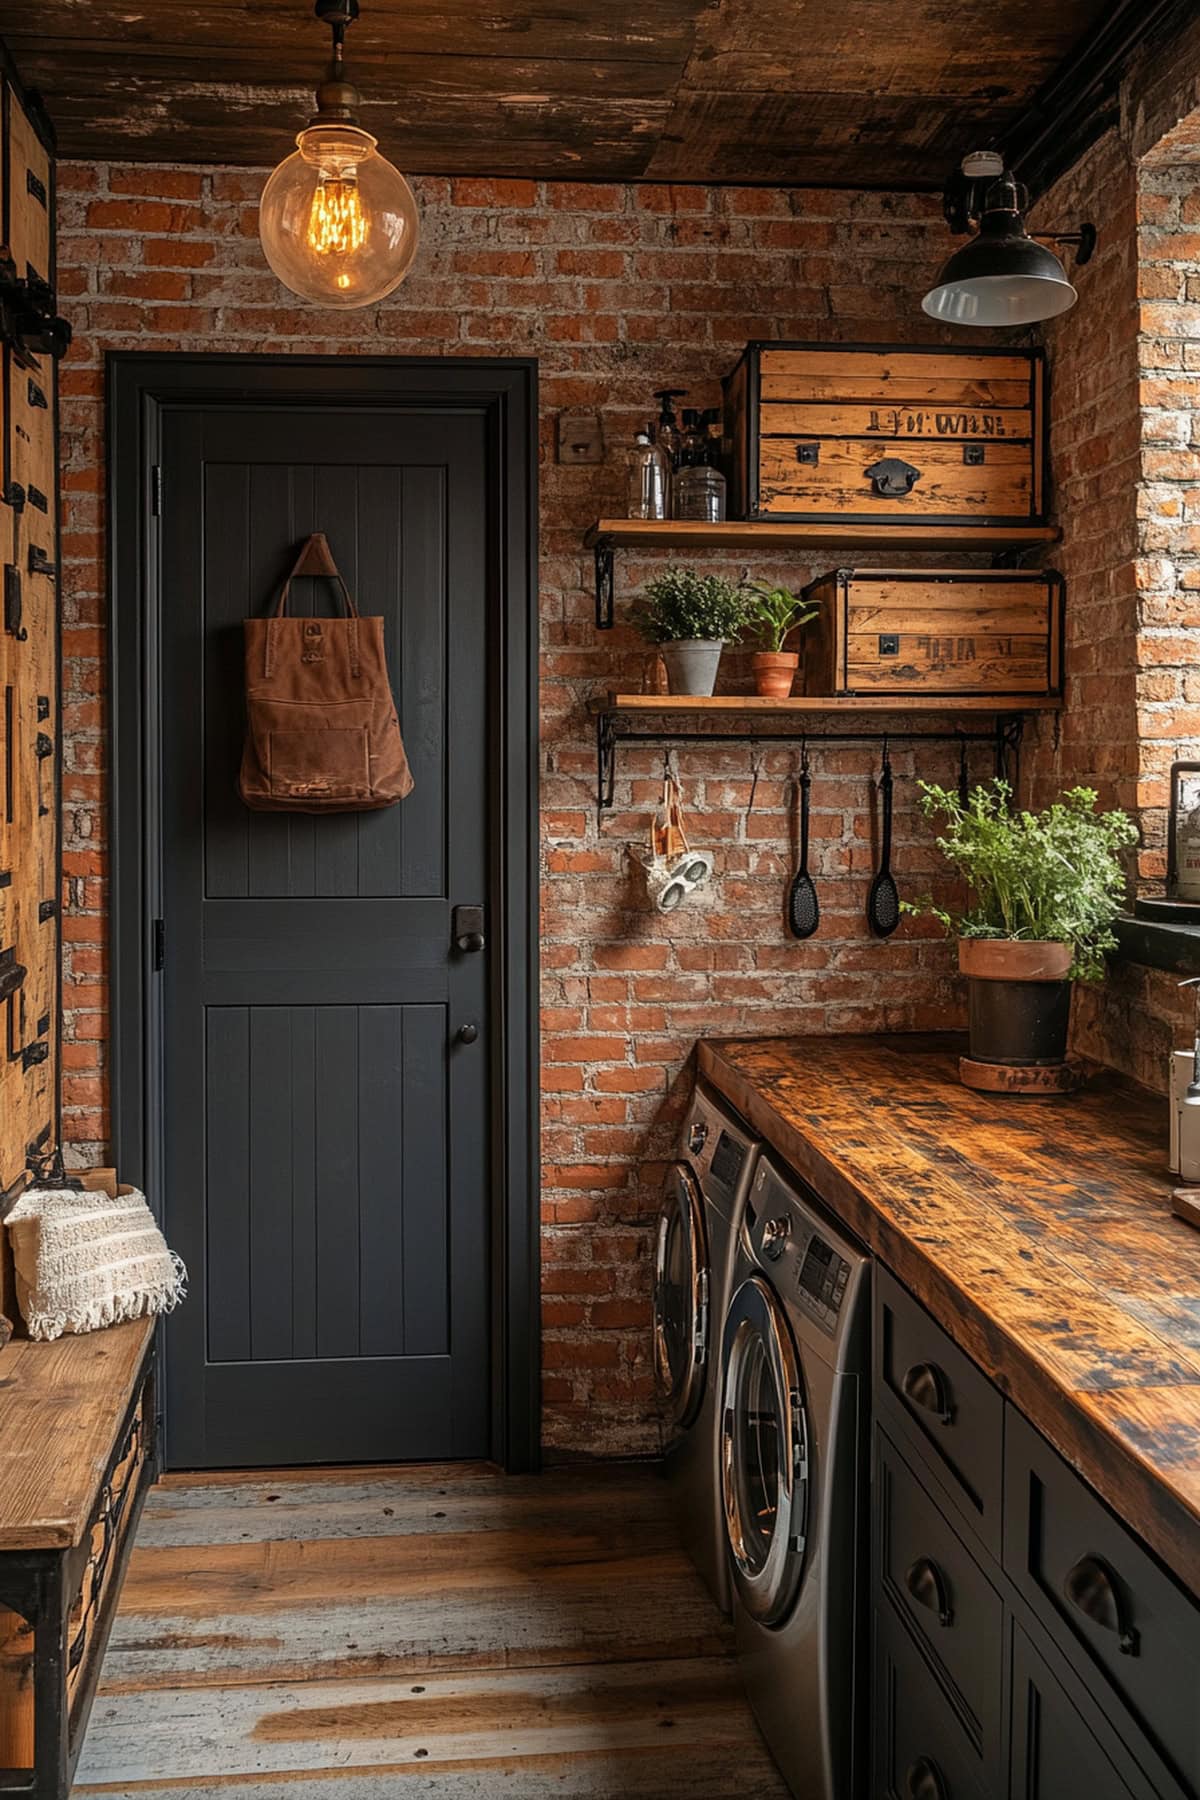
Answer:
(699, 493)
(649, 480)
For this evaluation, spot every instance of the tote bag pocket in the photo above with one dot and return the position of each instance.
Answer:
(320, 763)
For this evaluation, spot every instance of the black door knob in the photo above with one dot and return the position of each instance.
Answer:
(467, 1034)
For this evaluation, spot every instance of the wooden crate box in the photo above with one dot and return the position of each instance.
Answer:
(991, 633)
(823, 434)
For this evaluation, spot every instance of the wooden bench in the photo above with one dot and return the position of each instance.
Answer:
(77, 1430)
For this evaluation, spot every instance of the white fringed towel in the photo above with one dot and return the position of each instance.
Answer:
(85, 1260)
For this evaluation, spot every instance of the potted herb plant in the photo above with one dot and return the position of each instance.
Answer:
(775, 613)
(691, 617)
(1044, 889)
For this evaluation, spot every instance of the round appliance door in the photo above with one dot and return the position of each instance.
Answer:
(681, 1298)
(764, 1452)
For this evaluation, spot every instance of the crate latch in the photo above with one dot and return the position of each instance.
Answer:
(892, 478)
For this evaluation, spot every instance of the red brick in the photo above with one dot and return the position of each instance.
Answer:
(467, 191)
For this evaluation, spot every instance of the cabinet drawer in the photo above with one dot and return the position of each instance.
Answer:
(1054, 1750)
(1095, 1588)
(934, 1582)
(921, 1751)
(949, 1403)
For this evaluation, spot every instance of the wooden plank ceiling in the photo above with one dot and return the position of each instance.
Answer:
(860, 93)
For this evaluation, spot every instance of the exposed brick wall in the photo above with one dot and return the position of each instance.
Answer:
(1125, 374)
(616, 290)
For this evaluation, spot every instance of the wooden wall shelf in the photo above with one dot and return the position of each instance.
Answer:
(842, 536)
(808, 705)
(734, 718)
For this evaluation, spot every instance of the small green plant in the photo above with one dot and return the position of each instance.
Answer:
(682, 603)
(776, 612)
(1053, 876)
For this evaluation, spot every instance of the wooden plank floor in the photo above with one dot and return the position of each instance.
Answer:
(441, 1631)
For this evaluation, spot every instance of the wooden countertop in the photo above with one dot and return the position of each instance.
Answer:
(1038, 1233)
(61, 1407)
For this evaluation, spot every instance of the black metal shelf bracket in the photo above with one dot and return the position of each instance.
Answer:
(1004, 741)
(604, 584)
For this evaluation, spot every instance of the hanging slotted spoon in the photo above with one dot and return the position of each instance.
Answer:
(883, 901)
(803, 907)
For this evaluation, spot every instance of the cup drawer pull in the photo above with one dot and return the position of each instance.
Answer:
(927, 1387)
(924, 1781)
(929, 1588)
(1091, 1587)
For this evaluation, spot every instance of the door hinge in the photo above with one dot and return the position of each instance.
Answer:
(156, 491)
(158, 945)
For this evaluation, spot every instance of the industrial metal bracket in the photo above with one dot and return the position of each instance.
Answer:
(604, 584)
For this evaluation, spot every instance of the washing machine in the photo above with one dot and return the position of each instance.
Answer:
(794, 1474)
(703, 1199)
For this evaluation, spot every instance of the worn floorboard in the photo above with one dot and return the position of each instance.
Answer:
(445, 1631)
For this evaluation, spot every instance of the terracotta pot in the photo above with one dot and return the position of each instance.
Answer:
(1013, 959)
(774, 673)
(1019, 1012)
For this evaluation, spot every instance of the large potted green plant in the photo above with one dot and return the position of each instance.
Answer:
(691, 617)
(1044, 891)
(775, 613)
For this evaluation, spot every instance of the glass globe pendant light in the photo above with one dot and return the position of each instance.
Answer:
(338, 223)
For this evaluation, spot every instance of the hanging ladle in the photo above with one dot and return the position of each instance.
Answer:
(883, 901)
(803, 907)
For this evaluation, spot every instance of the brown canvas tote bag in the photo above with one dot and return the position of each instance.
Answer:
(321, 728)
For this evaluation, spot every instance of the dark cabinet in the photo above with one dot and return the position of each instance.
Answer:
(1054, 1750)
(1103, 1599)
(1027, 1645)
(922, 1749)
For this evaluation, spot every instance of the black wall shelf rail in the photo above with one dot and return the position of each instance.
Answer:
(612, 730)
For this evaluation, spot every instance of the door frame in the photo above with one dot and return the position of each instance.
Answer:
(141, 387)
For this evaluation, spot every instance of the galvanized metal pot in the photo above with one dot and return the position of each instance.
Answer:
(692, 665)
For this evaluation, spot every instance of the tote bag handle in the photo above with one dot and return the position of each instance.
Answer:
(315, 558)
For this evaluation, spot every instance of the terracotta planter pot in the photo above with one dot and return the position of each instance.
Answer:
(1013, 959)
(1019, 1013)
(774, 673)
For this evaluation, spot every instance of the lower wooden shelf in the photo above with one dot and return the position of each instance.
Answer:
(839, 705)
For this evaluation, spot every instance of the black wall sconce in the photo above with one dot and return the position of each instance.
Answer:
(1002, 276)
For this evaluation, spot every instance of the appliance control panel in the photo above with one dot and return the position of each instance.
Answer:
(728, 1160)
(821, 1283)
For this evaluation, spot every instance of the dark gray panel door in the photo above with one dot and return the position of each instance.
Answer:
(326, 1128)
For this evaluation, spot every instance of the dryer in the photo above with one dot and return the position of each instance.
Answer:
(703, 1199)
(794, 1467)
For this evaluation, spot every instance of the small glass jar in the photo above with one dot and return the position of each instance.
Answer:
(700, 494)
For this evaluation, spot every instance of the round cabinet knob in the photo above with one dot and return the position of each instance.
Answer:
(776, 1233)
(467, 1034)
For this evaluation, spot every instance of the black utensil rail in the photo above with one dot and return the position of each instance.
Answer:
(613, 730)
